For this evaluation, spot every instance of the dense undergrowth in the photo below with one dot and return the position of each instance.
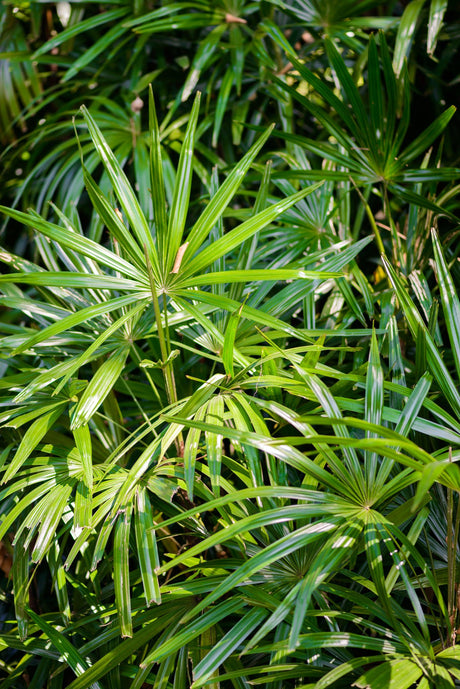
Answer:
(230, 355)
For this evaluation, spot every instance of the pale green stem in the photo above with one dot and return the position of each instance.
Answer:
(168, 374)
(371, 218)
(165, 348)
(454, 555)
(452, 539)
(397, 248)
(141, 411)
(168, 340)
(147, 374)
(450, 572)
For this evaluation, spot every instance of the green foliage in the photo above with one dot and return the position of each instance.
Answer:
(230, 345)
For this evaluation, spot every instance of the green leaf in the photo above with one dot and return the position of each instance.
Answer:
(391, 150)
(191, 631)
(20, 572)
(229, 342)
(114, 657)
(435, 362)
(376, 102)
(392, 674)
(435, 21)
(333, 553)
(121, 570)
(329, 96)
(99, 387)
(32, 437)
(55, 562)
(69, 323)
(215, 415)
(414, 532)
(79, 280)
(221, 105)
(225, 646)
(205, 54)
(248, 276)
(374, 559)
(221, 199)
(96, 21)
(425, 139)
(247, 229)
(406, 32)
(367, 133)
(273, 552)
(70, 238)
(83, 498)
(420, 201)
(413, 405)
(191, 449)
(182, 188)
(108, 39)
(317, 640)
(153, 22)
(24, 504)
(428, 476)
(46, 516)
(113, 222)
(87, 354)
(373, 405)
(157, 178)
(64, 646)
(450, 301)
(123, 190)
(343, 669)
(147, 550)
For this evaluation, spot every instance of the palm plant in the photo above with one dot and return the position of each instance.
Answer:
(114, 475)
(94, 293)
(231, 422)
(367, 147)
(21, 82)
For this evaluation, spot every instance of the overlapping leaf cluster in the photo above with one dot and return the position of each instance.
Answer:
(230, 367)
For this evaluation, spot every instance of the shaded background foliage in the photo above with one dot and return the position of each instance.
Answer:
(230, 354)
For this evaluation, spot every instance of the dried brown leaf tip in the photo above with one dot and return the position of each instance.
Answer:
(137, 105)
(232, 19)
(180, 254)
(287, 68)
